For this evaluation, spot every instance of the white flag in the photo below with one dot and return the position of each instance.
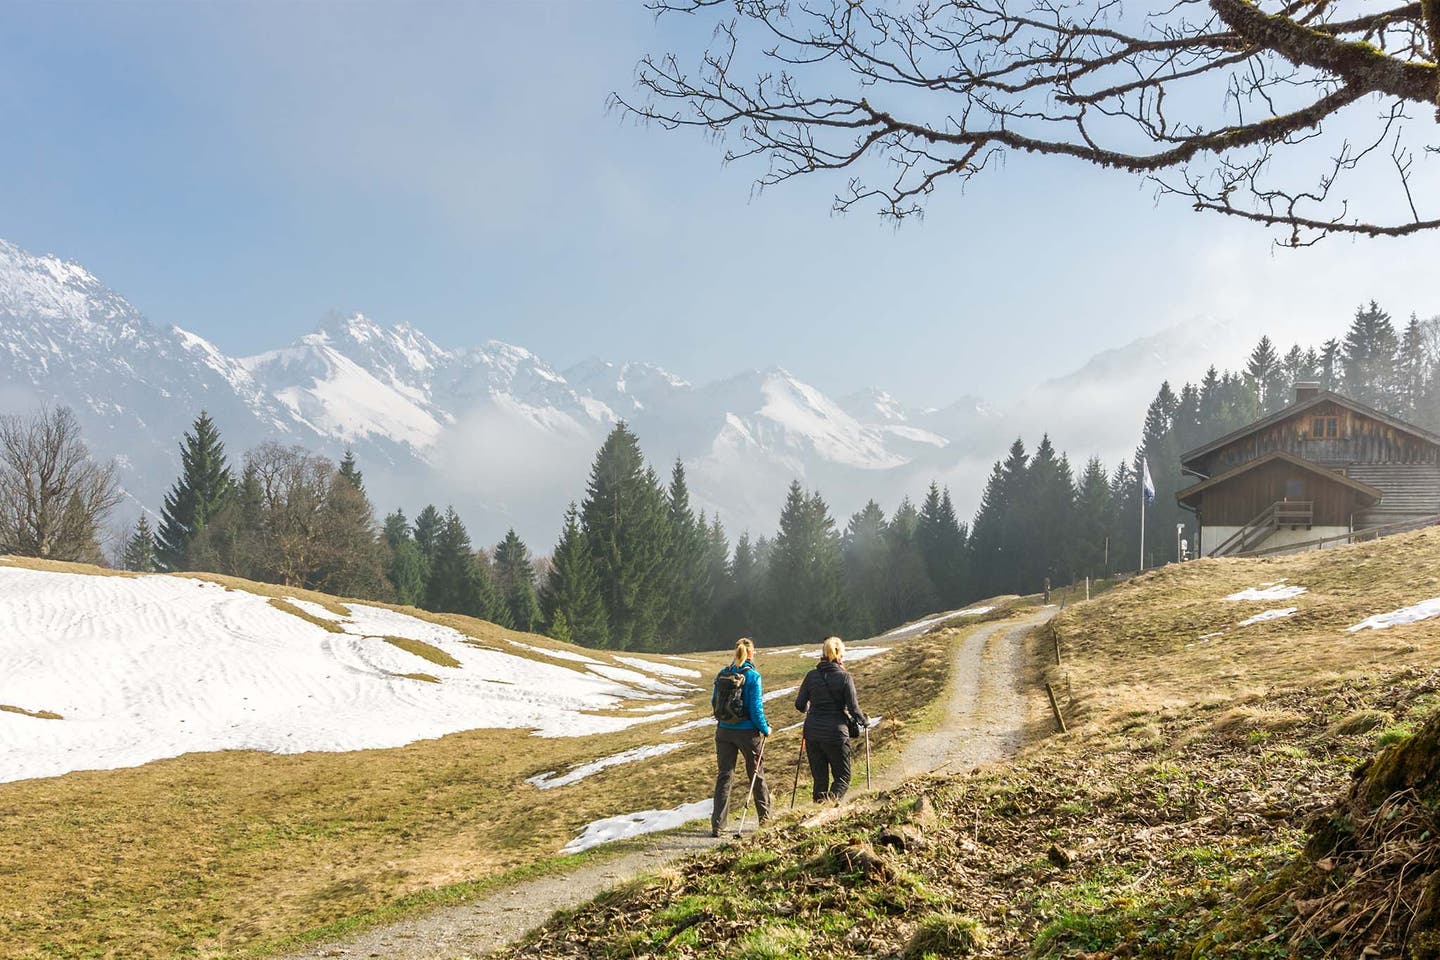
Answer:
(1147, 485)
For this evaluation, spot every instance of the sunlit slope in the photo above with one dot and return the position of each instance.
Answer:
(206, 766)
(106, 671)
(1217, 628)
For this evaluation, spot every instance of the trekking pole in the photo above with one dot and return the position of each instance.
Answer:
(867, 756)
(754, 778)
(798, 761)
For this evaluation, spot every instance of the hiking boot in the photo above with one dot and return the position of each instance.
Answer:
(714, 833)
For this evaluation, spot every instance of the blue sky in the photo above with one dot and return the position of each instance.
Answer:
(241, 169)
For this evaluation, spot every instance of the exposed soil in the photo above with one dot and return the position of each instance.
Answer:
(985, 720)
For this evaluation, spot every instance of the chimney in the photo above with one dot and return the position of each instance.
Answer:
(1306, 390)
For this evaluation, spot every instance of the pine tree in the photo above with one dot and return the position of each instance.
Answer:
(515, 581)
(805, 576)
(204, 485)
(721, 584)
(451, 588)
(139, 553)
(427, 532)
(689, 591)
(1093, 510)
(1368, 358)
(350, 471)
(571, 593)
(352, 559)
(1329, 367)
(1413, 370)
(741, 615)
(407, 567)
(624, 519)
(1266, 375)
(942, 546)
(1047, 509)
(1122, 547)
(909, 592)
(866, 554)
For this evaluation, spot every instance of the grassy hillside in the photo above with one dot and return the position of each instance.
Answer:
(1201, 806)
(239, 852)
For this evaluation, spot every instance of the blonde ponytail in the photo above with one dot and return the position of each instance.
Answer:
(744, 650)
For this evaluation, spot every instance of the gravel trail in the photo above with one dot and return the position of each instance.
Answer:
(985, 721)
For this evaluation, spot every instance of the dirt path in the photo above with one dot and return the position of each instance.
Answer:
(984, 721)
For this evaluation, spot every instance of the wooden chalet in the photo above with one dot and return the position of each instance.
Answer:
(1322, 471)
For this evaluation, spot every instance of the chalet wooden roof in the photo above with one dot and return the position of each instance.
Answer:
(1364, 489)
(1285, 413)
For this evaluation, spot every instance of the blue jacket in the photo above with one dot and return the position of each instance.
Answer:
(754, 703)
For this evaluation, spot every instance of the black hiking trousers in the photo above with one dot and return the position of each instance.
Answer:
(729, 745)
(830, 766)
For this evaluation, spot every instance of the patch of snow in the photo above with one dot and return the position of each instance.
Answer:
(1424, 610)
(665, 669)
(920, 626)
(1280, 614)
(1206, 637)
(635, 678)
(628, 825)
(692, 725)
(557, 654)
(1274, 591)
(144, 668)
(551, 780)
(851, 653)
(777, 694)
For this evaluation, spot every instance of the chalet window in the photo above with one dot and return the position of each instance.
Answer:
(1326, 428)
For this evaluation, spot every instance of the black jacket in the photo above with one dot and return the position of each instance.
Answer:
(829, 693)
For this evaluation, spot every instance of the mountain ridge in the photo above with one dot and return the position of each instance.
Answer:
(430, 423)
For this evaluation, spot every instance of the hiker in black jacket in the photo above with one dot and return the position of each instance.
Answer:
(827, 698)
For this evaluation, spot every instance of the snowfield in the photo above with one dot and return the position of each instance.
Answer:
(142, 668)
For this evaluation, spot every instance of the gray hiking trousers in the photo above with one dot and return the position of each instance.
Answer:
(729, 745)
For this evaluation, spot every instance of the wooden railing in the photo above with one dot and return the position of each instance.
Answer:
(1355, 536)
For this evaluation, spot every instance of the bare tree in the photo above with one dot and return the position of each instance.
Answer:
(1280, 112)
(294, 489)
(53, 496)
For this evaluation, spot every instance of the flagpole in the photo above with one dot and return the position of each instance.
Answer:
(1142, 524)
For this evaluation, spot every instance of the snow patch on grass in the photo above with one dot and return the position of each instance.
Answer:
(664, 669)
(1280, 614)
(627, 825)
(551, 779)
(1271, 591)
(851, 653)
(1424, 610)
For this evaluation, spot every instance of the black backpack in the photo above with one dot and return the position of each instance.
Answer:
(729, 697)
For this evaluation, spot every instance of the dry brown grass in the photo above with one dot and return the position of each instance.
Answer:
(230, 853)
(1139, 648)
(37, 714)
(423, 650)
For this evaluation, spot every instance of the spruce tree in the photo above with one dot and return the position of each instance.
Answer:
(428, 525)
(689, 592)
(741, 615)
(139, 553)
(1266, 375)
(407, 567)
(721, 586)
(1413, 371)
(806, 588)
(866, 554)
(909, 593)
(570, 596)
(1368, 358)
(1049, 501)
(624, 517)
(204, 485)
(352, 558)
(515, 581)
(942, 546)
(1093, 509)
(350, 471)
(450, 588)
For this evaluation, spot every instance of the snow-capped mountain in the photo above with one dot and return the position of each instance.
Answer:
(493, 429)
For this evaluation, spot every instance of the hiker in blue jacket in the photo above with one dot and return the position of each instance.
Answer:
(741, 728)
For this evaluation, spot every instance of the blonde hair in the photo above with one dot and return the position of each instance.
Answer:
(833, 649)
(744, 650)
